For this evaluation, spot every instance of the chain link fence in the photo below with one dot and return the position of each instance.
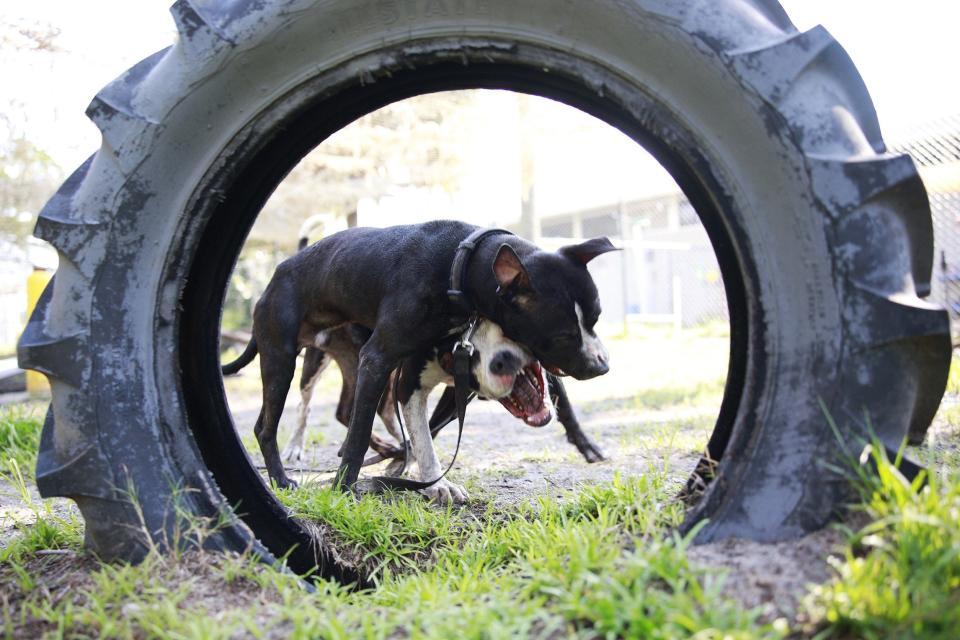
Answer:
(946, 269)
(935, 147)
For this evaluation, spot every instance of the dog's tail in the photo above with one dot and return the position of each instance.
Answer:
(249, 353)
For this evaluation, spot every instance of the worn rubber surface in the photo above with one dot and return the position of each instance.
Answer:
(824, 239)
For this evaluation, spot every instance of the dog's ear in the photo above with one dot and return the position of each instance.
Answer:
(509, 271)
(587, 250)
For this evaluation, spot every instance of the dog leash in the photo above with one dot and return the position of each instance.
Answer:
(463, 351)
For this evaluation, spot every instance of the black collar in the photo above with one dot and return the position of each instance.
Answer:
(458, 268)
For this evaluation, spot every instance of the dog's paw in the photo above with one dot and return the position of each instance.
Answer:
(293, 452)
(446, 492)
(588, 449)
(285, 483)
(592, 452)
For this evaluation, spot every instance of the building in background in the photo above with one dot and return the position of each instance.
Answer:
(667, 272)
(556, 175)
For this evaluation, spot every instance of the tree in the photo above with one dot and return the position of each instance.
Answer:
(414, 142)
(28, 175)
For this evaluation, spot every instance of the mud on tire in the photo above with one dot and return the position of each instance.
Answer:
(824, 238)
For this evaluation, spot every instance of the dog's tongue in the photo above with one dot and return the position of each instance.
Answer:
(526, 400)
(540, 418)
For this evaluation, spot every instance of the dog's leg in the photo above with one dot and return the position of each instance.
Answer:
(445, 412)
(421, 441)
(347, 360)
(388, 412)
(372, 376)
(575, 435)
(343, 344)
(348, 389)
(315, 363)
(276, 370)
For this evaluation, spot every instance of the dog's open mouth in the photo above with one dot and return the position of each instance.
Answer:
(527, 398)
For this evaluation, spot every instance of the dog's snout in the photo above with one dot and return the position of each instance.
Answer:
(601, 367)
(600, 364)
(505, 363)
(592, 368)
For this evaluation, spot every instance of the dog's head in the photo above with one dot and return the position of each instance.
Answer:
(549, 303)
(507, 372)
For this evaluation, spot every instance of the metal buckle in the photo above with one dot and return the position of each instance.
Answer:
(463, 345)
(464, 342)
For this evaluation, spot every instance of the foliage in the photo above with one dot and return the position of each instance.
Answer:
(19, 435)
(28, 175)
(900, 575)
(411, 143)
(249, 279)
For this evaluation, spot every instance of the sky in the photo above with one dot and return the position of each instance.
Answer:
(907, 53)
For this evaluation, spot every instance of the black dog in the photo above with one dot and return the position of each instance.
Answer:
(394, 281)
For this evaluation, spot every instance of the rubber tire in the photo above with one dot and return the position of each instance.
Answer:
(824, 239)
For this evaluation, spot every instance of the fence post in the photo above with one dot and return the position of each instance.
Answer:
(677, 303)
(622, 225)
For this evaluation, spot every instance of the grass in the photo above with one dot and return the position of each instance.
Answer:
(592, 564)
(600, 562)
(20, 435)
(387, 535)
(37, 525)
(685, 436)
(900, 575)
(38, 529)
(42, 528)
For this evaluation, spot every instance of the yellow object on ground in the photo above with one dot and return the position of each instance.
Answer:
(36, 282)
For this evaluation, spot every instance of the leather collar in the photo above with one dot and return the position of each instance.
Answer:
(458, 268)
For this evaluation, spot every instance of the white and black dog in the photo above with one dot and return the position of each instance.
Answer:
(500, 369)
(342, 345)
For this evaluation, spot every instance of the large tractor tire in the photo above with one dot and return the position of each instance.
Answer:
(823, 237)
